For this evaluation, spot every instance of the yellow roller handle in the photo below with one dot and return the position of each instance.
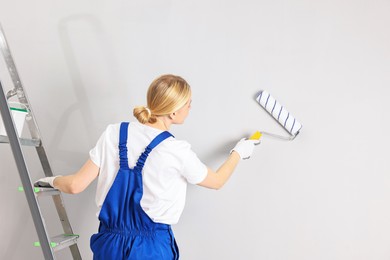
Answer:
(256, 136)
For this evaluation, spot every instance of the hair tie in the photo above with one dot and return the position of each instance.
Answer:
(149, 112)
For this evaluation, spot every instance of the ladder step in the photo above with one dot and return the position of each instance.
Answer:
(23, 141)
(61, 241)
(64, 241)
(40, 191)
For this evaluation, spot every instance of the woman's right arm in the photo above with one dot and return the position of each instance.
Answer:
(216, 179)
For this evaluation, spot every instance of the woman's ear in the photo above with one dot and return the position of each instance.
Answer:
(172, 115)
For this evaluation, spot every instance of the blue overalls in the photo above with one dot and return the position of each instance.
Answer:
(125, 230)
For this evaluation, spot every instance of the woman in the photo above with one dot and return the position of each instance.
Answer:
(143, 173)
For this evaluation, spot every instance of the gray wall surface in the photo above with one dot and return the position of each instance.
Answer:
(323, 196)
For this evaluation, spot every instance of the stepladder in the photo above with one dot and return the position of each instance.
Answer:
(16, 111)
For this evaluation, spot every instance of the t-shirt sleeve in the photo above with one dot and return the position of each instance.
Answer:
(98, 152)
(95, 154)
(194, 170)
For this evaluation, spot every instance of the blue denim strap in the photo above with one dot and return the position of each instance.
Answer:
(123, 145)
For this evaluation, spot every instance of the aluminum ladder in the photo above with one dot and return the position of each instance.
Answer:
(49, 245)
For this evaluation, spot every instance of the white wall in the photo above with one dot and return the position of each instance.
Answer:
(323, 196)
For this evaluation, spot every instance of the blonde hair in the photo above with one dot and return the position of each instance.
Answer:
(166, 95)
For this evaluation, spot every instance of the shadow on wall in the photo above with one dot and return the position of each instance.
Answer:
(82, 37)
(220, 153)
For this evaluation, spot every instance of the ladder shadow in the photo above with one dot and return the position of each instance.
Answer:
(83, 104)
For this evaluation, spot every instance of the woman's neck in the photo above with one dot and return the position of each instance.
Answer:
(162, 123)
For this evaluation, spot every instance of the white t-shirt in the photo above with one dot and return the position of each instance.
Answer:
(166, 172)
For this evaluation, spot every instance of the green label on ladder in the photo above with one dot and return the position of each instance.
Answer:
(36, 190)
(18, 109)
(52, 244)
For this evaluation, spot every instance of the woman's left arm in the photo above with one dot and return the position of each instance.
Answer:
(79, 181)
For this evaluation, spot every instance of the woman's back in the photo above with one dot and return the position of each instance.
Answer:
(165, 175)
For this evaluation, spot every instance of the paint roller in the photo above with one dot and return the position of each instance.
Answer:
(280, 114)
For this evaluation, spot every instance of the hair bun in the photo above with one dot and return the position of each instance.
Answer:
(144, 114)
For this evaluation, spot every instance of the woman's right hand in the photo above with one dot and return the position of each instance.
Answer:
(245, 147)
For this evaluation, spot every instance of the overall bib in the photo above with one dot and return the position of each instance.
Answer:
(125, 230)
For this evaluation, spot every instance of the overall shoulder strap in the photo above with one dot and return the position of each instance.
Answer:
(156, 141)
(123, 161)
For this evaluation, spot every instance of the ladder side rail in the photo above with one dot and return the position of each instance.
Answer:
(24, 176)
